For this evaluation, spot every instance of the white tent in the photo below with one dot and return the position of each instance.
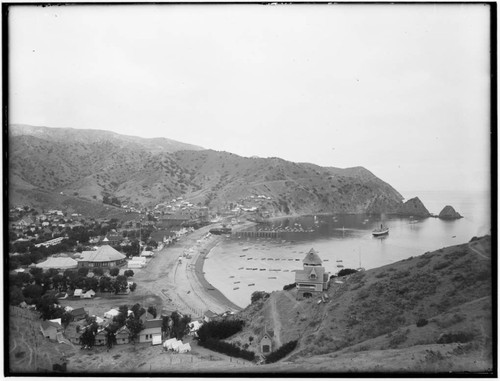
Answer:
(111, 313)
(168, 343)
(176, 345)
(78, 292)
(68, 309)
(147, 254)
(156, 340)
(184, 348)
(89, 294)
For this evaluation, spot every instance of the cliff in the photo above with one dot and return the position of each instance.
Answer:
(449, 213)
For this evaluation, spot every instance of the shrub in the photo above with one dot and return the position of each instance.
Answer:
(258, 295)
(289, 286)
(227, 348)
(219, 329)
(422, 322)
(457, 337)
(281, 352)
(345, 272)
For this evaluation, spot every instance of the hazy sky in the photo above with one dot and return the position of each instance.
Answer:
(402, 90)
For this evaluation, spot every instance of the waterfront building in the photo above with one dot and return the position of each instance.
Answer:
(312, 279)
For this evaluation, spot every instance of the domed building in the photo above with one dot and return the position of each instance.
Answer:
(105, 256)
(313, 279)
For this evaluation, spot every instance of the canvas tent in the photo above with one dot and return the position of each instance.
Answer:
(176, 345)
(78, 292)
(168, 343)
(111, 313)
(88, 295)
(184, 348)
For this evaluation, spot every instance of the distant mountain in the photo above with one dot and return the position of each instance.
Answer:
(90, 164)
(153, 145)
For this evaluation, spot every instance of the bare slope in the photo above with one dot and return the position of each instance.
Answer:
(369, 324)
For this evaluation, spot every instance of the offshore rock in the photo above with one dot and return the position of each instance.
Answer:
(449, 213)
(414, 207)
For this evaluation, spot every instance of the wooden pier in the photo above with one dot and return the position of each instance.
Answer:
(257, 234)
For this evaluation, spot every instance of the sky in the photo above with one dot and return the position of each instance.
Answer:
(402, 90)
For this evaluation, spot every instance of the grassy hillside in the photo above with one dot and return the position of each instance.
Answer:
(371, 318)
(92, 164)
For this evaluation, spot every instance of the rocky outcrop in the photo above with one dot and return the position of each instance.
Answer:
(449, 213)
(414, 207)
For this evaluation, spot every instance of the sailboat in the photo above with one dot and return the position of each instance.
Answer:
(383, 230)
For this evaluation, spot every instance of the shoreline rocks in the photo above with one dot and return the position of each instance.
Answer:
(449, 213)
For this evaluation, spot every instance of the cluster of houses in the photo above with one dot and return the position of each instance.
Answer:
(53, 222)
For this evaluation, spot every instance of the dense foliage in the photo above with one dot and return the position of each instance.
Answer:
(227, 348)
(281, 352)
(220, 329)
(289, 286)
(210, 335)
(258, 295)
(345, 272)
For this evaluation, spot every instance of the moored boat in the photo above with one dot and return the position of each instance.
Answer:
(383, 230)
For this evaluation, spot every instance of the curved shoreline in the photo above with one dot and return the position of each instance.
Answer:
(208, 287)
(199, 263)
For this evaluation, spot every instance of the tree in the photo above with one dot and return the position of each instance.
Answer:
(16, 296)
(98, 271)
(152, 311)
(121, 318)
(32, 293)
(257, 295)
(120, 284)
(87, 338)
(114, 271)
(165, 324)
(129, 273)
(137, 310)
(105, 284)
(134, 325)
(83, 271)
(132, 287)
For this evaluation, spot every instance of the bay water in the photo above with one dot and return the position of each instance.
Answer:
(238, 267)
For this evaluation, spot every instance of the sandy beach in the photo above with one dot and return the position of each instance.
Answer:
(179, 281)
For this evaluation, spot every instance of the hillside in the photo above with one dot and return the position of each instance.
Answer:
(88, 164)
(369, 323)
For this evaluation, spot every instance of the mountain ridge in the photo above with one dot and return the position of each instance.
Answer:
(129, 169)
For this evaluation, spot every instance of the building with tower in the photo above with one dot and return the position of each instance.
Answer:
(312, 279)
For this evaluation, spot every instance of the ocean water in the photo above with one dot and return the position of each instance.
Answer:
(238, 267)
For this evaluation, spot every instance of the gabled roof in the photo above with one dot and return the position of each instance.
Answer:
(210, 314)
(46, 324)
(78, 311)
(312, 258)
(153, 323)
(269, 333)
(104, 254)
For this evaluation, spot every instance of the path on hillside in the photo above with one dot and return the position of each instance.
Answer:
(478, 252)
(276, 320)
